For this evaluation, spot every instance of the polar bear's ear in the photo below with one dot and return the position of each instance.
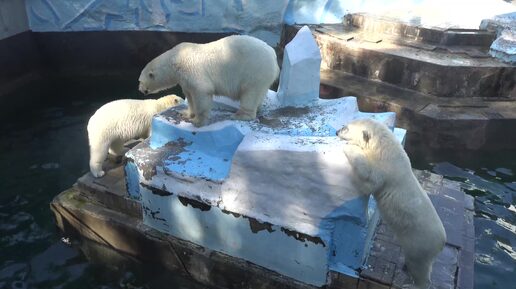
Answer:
(366, 136)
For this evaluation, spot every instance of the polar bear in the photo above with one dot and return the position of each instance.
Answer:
(238, 66)
(119, 121)
(381, 167)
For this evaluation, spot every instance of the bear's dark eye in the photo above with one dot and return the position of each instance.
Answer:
(366, 136)
(151, 75)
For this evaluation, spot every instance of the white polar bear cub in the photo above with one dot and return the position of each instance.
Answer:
(381, 167)
(240, 67)
(119, 121)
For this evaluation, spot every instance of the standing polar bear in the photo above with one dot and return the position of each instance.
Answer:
(240, 67)
(381, 167)
(119, 121)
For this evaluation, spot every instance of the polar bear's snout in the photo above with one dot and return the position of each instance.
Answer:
(143, 89)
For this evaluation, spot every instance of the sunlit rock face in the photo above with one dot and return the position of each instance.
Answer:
(504, 47)
(275, 191)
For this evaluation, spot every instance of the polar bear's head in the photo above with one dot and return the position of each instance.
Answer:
(365, 133)
(158, 74)
(169, 101)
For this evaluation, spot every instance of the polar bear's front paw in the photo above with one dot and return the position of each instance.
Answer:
(98, 174)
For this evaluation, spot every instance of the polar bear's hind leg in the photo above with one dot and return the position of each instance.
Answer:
(202, 105)
(250, 101)
(420, 271)
(98, 153)
(117, 147)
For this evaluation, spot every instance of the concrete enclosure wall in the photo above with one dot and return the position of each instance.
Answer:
(13, 18)
(260, 18)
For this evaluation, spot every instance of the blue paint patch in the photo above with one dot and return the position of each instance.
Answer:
(207, 155)
(348, 226)
(132, 179)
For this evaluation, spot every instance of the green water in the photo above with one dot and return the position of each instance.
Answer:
(44, 150)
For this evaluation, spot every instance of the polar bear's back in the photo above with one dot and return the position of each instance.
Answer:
(230, 64)
(123, 118)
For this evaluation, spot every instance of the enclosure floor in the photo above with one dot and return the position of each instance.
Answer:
(97, 210)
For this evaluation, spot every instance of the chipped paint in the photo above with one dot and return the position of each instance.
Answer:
(132, 179)
(194, 204)
(163, 192)
(257, 226)
(303, 237)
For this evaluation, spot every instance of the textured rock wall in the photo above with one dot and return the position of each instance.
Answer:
(13, 19)
(262, 18)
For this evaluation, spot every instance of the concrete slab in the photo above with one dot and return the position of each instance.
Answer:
(272, 167)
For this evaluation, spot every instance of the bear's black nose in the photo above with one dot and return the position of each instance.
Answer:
(146, 91)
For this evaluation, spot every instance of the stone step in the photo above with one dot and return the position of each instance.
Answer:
(413, 32)
(445, 71)
(433, 122)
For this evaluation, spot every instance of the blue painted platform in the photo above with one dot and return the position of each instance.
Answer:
(275, 191)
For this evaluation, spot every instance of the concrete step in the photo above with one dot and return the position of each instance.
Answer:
(413, 32)
(432, 122)
(439, 70)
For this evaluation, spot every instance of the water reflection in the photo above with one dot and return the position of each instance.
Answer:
(495, 218)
